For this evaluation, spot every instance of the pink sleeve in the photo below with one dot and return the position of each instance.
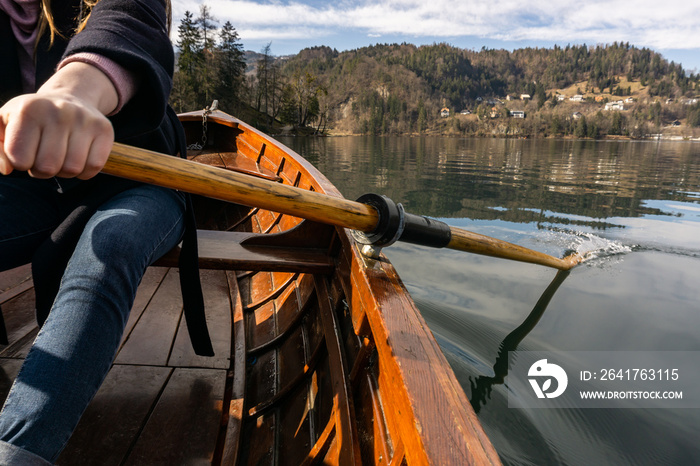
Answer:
(124, 81)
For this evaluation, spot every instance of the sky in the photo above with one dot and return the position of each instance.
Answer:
(670, 27)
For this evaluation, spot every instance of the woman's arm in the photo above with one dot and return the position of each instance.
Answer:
(133, 34)
(61, 130)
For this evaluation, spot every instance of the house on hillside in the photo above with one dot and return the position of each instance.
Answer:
(561, 97)
(517, 114)
(525, 97)
(445, 112)
(577, 115)
(576, 98)
(617, 105)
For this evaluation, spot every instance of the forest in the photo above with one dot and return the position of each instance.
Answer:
(610, 90)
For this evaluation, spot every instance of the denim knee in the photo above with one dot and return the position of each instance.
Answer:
(77, 344)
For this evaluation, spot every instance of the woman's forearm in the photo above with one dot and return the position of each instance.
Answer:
(61, 130)
(84, 82)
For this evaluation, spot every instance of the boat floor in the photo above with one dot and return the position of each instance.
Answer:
(160, 403)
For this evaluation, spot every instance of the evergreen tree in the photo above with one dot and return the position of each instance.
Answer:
(231, 67)
(422, 117)
(189, 65)
(556, 125)
(616, 127)
(207, 25)
(581, 130)
(264, 76)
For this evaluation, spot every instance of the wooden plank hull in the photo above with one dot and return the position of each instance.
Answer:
(321, 355)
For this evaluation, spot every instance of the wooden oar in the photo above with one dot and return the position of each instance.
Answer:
(172, 172)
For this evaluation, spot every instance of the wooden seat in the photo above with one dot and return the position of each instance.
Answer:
(301, 249)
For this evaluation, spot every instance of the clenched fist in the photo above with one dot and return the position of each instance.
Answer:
(61, 129)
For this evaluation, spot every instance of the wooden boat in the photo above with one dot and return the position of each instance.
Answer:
(321, 356)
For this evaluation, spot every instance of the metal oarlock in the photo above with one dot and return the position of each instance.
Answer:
(395, 224)
(390, 225)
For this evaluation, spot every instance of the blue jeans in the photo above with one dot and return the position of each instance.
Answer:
(78, 342)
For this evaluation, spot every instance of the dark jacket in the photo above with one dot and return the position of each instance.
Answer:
(134, 34)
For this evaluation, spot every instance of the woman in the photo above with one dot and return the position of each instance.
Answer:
(66, 96)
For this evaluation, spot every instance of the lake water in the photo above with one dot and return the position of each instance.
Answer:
(634, 205)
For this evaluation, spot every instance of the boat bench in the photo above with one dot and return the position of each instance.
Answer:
(223, 250)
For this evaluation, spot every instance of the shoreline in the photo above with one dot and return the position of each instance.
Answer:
(653, 137)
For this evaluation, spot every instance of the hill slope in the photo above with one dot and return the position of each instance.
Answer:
(402, 88)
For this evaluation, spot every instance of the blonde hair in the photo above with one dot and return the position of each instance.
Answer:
(46, 20)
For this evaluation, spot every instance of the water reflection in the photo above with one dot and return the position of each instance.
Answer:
(481, 386)
(469, 177)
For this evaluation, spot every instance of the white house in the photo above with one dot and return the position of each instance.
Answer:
(576, 98)
(517, 114)
(619, 105)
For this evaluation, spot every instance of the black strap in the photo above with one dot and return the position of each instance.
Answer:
(192, 297)
(190, 284)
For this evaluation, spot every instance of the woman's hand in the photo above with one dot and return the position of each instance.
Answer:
(60, 130)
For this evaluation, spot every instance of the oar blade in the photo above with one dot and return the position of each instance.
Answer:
(463, 240)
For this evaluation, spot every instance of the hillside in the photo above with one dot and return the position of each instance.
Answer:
(402, 88)
(615, 90)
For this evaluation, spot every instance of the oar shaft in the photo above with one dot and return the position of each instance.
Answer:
(175, 173)
(196, 178)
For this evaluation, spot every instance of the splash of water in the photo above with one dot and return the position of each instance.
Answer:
(594, 248)
(599, 252)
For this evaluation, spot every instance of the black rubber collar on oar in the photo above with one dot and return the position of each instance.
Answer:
(395, 224)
